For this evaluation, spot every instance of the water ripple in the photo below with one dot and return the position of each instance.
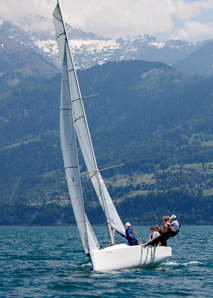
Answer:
(50, 262)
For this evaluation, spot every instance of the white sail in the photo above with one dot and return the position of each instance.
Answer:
(68, 145)
(72, 117)
(93, 242)
(82, 131)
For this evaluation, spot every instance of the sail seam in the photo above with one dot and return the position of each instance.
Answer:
(65, 109)
(79, 118)
(76, 99)
(60, 34)
(57, 18)
(93, 175)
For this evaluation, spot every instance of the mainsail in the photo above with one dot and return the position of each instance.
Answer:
(81, 128)
(68, 145)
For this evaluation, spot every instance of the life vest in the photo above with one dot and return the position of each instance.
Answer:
(168, 227)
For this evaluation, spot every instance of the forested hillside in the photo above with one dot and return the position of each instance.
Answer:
(149, 116)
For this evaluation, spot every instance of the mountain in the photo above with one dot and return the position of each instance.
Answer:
(200, 62)
(19, 64)
(149, 116)
(89, 49)
(140, 100)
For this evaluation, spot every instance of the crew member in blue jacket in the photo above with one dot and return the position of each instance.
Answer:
(130, 235)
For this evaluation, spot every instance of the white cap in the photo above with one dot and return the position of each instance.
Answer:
(128, 224)
(173, 217)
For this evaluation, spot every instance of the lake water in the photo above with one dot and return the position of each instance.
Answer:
(50, 262)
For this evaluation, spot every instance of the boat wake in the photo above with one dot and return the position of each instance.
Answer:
(191, 263)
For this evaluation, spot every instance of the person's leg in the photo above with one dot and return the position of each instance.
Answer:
(154, 241)
(173, 234)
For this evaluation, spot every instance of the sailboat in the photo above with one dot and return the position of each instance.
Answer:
(73, 123)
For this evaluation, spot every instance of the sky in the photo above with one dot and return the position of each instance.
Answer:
(190, 20)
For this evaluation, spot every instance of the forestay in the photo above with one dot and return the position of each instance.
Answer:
(82, 130)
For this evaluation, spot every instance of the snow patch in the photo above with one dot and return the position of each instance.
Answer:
(94, 44)
(158, 45)
(48, 46)
(13, 29)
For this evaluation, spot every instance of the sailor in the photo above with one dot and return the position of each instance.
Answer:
(153, 234)
(130, 235)
(175, 226)
(164, 234)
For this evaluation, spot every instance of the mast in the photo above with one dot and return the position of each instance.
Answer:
(84, 138)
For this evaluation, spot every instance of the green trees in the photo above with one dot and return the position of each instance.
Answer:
(148, 120)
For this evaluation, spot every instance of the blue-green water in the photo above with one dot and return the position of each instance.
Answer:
(50, 262)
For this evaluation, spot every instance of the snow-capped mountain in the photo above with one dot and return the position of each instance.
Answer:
(20, 65)
(89, 49)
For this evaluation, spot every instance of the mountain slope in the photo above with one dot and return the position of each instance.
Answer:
(144, 98)
(140, 102)
(18, 63)
(200, 62)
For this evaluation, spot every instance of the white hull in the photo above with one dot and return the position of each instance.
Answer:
(122, 256)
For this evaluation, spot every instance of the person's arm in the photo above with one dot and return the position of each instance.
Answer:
(132, 235)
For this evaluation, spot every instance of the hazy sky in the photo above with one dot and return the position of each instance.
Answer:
(190, 20)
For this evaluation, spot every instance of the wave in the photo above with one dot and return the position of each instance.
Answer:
(86, 265)
(192, 263)
(183, 264)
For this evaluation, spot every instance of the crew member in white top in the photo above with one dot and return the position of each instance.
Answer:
(175, 226)
(154, 234)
